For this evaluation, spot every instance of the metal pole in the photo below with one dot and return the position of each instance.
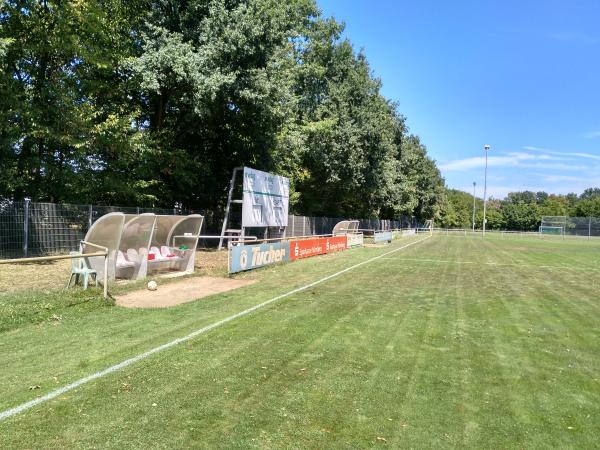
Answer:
(47, 258)
(228, 207)
(26, 228)
(486, 148)
(474, 206)
(105, 293)
(91, 216)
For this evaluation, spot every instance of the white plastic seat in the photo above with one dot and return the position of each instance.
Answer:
(157, 255)
(166, 251)
(122, 261)
(135, 239)
(132, 255)
(174, 243)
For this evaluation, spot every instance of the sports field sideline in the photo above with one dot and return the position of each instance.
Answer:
(450, 342)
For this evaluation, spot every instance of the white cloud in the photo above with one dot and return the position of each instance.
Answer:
(514, 159)
(534, 169)
(568, 154)
(535, 182)
(560, 178)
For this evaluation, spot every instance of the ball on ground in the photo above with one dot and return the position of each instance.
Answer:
(152, 286)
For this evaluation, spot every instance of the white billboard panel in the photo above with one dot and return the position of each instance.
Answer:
(266, 199)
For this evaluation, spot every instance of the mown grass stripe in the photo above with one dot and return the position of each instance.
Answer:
(128, 362)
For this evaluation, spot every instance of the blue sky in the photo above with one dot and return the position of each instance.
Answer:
(522, 76)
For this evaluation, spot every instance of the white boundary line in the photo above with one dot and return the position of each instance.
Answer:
(53, 394)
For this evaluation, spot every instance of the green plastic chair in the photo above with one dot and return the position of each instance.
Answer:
(79, 267)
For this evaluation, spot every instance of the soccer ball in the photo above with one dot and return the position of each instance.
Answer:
(152, 286)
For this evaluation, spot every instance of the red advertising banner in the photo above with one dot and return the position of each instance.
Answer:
(305, 248)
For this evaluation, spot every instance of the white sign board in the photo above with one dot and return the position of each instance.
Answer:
(355, 240)
(266, 198)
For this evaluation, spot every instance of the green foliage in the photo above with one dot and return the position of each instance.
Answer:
(61, 93)
(154, 103)
(459, 210)
(589, 207)
(520, 216)
(590, 193)
(520, 211)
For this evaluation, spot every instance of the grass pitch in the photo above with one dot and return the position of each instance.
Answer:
(451, 343)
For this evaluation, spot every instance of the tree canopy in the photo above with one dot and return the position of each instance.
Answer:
(522, 211)
(154, 103)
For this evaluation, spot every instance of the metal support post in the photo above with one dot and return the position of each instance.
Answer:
(26, 228)
(228, 208)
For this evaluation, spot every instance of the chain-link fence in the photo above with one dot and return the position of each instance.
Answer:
(311, 226)
(35, 229)
(572, 226)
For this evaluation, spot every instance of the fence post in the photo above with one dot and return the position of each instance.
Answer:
(91, 216)
(26, 227)
(589, 228)
(303, 225)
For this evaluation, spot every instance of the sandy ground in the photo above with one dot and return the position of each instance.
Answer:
(179, 292)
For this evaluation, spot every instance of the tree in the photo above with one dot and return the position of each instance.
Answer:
(590, 193)
(154, 103)
(494, 216)
(521, 216)
(216, 90)
(589, 207)
(62, 100)
(554, 205)
(461, 209)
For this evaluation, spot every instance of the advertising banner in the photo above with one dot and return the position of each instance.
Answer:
(403, 233)
(382, 236)
(305, 248)
(355, 240)
(246, 257)
(265, 200)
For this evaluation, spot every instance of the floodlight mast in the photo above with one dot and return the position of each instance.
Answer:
(474, 184)
(486, 148)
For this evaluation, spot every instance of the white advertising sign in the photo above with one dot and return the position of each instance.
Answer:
(266, 198)
(355, 240)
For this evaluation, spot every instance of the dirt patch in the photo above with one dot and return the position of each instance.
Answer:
(211, 262)
(183, 291)
(49, 275)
